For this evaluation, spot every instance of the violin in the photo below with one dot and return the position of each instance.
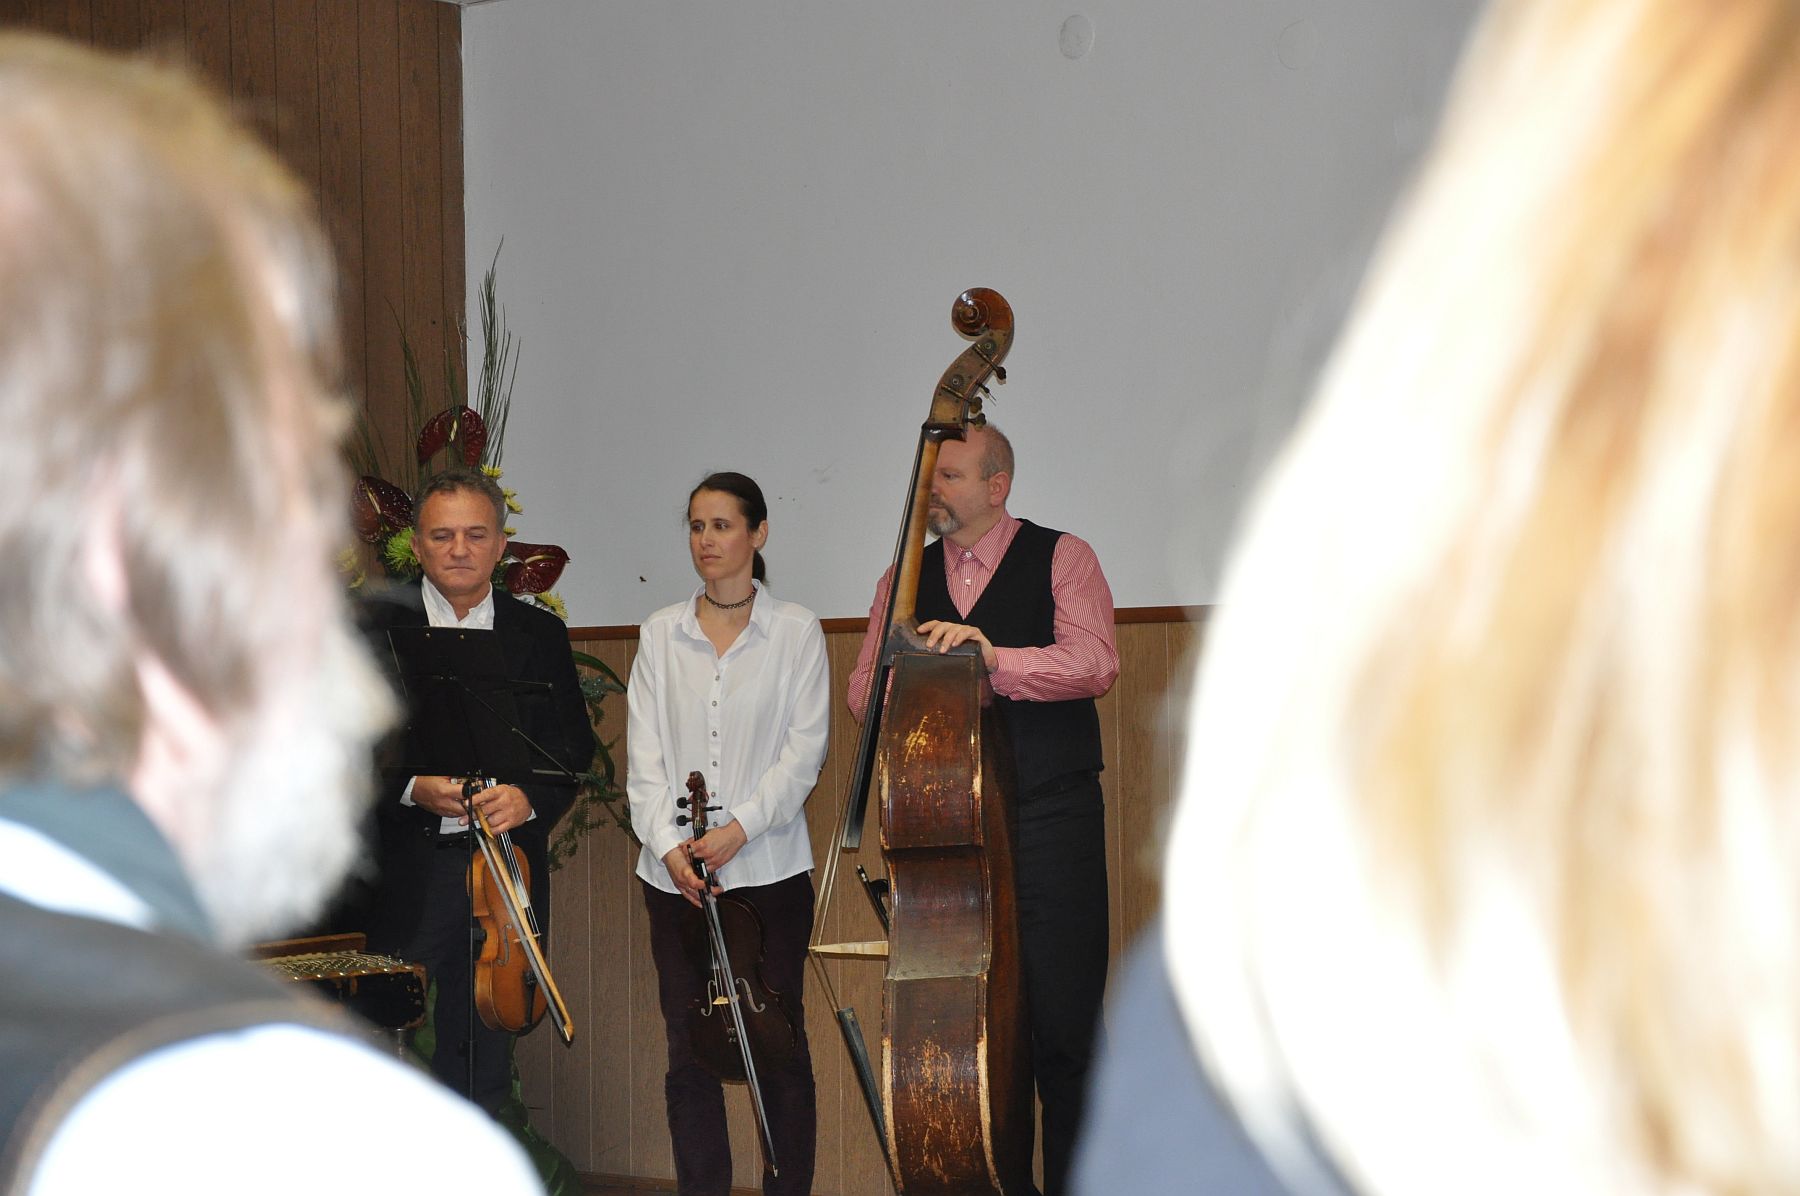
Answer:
(738, 1019)
(513, 984)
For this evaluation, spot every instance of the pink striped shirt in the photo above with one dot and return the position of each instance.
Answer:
(1083, 661)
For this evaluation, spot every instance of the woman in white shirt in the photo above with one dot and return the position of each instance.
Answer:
(733, 683)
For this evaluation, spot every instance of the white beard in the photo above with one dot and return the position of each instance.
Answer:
(293, 795)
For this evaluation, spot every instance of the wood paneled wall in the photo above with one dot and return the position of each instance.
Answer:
(363, 100)
(601, 1099)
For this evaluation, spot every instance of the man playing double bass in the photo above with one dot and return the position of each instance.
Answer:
(1038, 606)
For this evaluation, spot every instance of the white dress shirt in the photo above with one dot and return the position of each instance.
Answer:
(439, 612)
(754, 720)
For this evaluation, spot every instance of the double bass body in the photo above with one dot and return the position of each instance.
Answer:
(956, 1074)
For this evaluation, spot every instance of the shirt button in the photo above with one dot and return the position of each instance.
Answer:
(715, 734)
(715, 703)
(968, 581)
(715, 676)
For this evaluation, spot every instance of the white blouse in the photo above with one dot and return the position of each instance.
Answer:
(754, 721)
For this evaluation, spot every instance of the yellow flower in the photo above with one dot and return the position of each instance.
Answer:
(512, 502)
(493, 471)
(555, 605)
(509, 532)
(348, 565)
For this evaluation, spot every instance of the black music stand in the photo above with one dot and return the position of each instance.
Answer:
(463, 721)
(463, 708)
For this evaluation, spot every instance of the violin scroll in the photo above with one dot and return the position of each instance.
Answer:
(695, 802)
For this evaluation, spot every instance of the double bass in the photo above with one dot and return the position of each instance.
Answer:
(953, 1101)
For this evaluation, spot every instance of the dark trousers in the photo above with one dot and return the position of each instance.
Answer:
(1061, 887)
(696, 1099)
(441, 943)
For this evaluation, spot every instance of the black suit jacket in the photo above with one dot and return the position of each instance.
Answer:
(535, 645)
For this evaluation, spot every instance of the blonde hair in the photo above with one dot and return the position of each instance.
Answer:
(1487, 865)
(166, 362)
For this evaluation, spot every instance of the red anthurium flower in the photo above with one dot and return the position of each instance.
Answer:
(474, 438)
(461, 425)
(378, 509)
(534, 567)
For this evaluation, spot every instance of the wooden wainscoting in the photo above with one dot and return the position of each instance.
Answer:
(601, 1100)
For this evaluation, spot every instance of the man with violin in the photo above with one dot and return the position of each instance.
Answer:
(422, 905)
(1037, 605)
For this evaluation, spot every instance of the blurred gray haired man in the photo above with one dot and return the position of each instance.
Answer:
(185, 715)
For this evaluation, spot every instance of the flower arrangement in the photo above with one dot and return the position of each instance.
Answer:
(382, 515)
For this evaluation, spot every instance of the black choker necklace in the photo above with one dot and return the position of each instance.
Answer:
(729, 605)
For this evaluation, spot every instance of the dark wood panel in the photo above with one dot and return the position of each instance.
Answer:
(165, 29)
(450, 156)
(297, 88)
(118, 24)
(65, 18)
(574, 950)
(25, 14)
(209, 41)
(378, 33)
(838, 1095)
(78, 19)
(607, 1115)
(252, 24)
(323, 82)
(341, 174)
(421, 194)
(1138, 776)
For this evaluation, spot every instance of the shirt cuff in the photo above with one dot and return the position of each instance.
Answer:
(1006, 677)
(750, 819)
(663, 842)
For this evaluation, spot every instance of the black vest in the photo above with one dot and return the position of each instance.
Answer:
(82, 998)
(1017, 610)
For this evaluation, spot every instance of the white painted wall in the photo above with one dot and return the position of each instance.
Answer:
(733, 232)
